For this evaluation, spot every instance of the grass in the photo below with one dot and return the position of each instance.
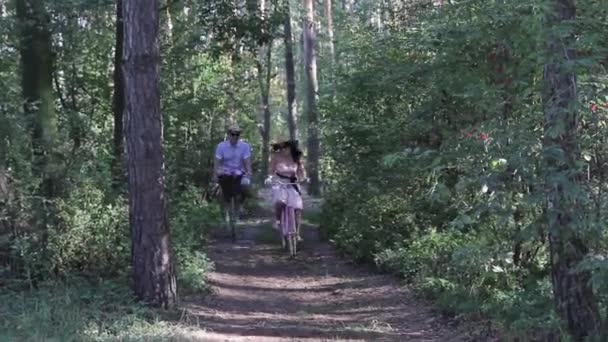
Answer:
(311, 217)
(267, 234)
(81, 310)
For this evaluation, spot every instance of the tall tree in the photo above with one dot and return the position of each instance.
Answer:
(290, 73)
(264, 68)
(153, 267)
(330, 38)
(37, 87)
(118, 102)
(312, 89)
(572, 291)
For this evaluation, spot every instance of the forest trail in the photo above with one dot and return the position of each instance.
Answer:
(260, 294)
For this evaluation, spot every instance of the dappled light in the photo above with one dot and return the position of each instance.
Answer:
(280, 170)
(257, 292)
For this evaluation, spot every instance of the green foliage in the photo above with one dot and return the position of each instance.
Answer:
(192, 267)
(387, 220)
(91, 235)
(80, 310)
(83, 229)
(191, 220)
(425, 257)
(432, 152)
(267, 234)
(84, 233)
(436, 141)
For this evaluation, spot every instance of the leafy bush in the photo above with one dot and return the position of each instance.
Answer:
(82, 233)
(426, 256)
(374, 224)
(436, 170)
(191, 219)
(92, 236)
(192, 267)
(80, 310)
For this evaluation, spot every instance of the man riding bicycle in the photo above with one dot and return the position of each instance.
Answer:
(232, 166)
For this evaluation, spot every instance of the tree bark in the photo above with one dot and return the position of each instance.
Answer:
(118, 104)
(573, 296)
(265, 99)
(312, 89)
(290, 74)
(153, 268)
(332, 51)
(37, 88)
(265, 58)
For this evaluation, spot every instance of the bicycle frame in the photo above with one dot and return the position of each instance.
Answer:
(292, 238)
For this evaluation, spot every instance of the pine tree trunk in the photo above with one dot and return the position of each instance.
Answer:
(573, 296)
(311, 98)
(153, 268)
(290, 75)
(330, 38)
(265, 98)
(37, 88)
(118, 104)
(264, 67)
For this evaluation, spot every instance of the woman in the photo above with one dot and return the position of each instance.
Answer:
(286, 167)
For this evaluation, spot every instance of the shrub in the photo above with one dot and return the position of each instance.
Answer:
(191, 219)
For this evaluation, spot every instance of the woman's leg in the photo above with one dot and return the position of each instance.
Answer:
(298, 222)
(278, 211)
(278, 208)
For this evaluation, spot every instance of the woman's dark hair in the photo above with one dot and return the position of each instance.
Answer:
(296, 153)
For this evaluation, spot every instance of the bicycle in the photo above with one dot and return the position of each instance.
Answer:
(288, 228)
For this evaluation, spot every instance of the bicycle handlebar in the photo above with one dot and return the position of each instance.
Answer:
(284, 183)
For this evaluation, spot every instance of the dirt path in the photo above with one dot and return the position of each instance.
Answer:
(260, 294)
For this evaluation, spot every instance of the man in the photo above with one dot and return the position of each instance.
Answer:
(232, 165)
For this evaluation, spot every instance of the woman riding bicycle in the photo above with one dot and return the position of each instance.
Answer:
(285, 171)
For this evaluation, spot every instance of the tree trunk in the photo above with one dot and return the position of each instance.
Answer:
(265, 58)
(290, 75)
(118, 104)
(311, 98)
(573, 296)
(153, 268)
(332, 51)
(37, 88)
(265, 99)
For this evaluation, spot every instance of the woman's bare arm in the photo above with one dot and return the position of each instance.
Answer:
(301, 172)
(272, 165)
